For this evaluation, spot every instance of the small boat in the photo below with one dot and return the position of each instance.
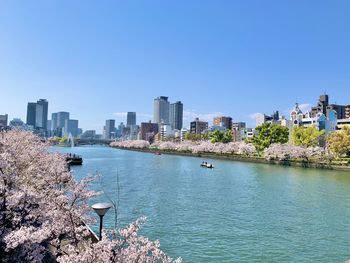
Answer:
(157, 153)
(73, 159)
(207, 165)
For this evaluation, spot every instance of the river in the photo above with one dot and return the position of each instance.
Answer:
(236, 212)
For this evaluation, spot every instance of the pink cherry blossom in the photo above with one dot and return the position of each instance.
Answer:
(43, 210)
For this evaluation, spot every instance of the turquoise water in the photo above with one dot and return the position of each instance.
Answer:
(237, 212)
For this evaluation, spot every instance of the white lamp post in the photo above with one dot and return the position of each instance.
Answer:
(101, 209)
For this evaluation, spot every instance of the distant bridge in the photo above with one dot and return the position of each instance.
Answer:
(92, 141)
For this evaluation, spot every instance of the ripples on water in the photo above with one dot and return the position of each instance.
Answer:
(237, 212)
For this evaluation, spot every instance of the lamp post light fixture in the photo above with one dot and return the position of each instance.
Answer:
(101, 209)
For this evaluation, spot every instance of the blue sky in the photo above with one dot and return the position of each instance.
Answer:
(98, 59)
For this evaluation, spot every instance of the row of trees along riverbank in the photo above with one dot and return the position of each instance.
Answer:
(271, 143)
(42, 208)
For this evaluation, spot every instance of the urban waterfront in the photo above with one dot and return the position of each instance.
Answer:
(237, 212)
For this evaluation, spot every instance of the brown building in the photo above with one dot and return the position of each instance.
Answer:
(198, 126)
(148, 128)
(223, 121)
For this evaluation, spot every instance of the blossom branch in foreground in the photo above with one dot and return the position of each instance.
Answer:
(42, 210)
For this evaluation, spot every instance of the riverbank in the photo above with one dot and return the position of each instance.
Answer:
(245, 158)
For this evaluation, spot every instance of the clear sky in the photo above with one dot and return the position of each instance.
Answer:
(98, 59)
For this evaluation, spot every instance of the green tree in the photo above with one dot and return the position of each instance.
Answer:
(196, 137)
(339, 142)
(218, 136)
(227, 136)
(306, 136)
(268, 134)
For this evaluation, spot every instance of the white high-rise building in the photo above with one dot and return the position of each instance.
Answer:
(161, 110)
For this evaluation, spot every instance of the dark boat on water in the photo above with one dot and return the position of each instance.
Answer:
(73, 159)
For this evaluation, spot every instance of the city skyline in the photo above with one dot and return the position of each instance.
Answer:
(234, 59)
(188, 117)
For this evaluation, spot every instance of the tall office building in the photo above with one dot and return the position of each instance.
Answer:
(71, 127)
(58, 122)
(54, 119)
(110, 129)
(130, 119)
(31, 114)
(49, 133)
(41, 114)
(161, 110)
(176, 115)
(119, 131)
(62, 116)
(3, 120)
(37, 115)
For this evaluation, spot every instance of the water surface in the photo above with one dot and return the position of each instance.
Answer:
(236, 212)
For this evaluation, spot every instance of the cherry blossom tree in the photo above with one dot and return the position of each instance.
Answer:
(136, 144)
(284, 152)
(240, 148)
(43, 211)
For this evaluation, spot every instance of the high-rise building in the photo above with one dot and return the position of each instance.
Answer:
(119, 131)
(198, 126)
(223, 121)
(49, 131)
(54, 119)
(37, 115)
(176, 115)
(71, 127)
(161, 110)
(41, 114)
(110, 129)
(3, 120)
(58, 122)
(130, 119)
(62, 116)
(31, 114)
